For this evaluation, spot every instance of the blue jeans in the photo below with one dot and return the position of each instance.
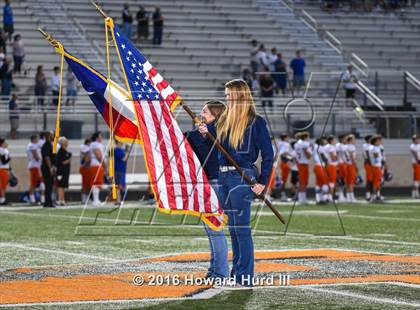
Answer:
(157, 35)
(236, 197)
(6, 87)
(219, 266)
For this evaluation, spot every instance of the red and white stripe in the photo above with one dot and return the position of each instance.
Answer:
(166, 91)
(178, 179)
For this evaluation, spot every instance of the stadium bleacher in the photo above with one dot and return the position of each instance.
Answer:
(386, 42)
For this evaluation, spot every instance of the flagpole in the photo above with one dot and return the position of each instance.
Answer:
(233, 162)
(218, 145)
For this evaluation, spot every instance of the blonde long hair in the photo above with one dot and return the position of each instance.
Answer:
(238, 114)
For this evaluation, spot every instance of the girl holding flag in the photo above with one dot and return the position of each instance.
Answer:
(244, 135)
(207, 154)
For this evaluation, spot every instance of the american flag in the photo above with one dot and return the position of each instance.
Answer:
(178, 180)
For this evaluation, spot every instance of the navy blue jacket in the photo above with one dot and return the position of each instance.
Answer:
(256, 139)
(205, 151)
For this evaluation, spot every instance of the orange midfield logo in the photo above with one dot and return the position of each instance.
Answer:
(180, 275)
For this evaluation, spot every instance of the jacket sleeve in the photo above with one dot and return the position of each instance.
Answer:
(263, 142)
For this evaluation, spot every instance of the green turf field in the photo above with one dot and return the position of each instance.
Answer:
(31, 237)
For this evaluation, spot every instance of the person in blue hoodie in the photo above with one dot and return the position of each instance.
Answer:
(244, 135)
(208, 157)
(8, 19)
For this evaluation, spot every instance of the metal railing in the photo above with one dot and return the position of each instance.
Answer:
(358, 63)
(413, 81)
(370, 95)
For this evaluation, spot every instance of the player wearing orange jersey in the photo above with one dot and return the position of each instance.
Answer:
(342, 167)
(85, 170)
(415, 159)
(303, 155)
(4, 171)
(376, 159)
(351, 167)
(321, 179)
(33, 153)
(367, 148)
(285, 157)
(332, 162)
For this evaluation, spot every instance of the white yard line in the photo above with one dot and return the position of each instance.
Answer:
(359, 296)
(280, 234)
(33, 248)
(343, 213)
(99, 219)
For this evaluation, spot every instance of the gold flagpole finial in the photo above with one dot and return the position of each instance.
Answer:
(51, 40)
(99, 9)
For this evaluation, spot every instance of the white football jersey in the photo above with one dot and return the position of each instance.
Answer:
(415, 148)
(94, 162)
(300, 148)
(32, 162)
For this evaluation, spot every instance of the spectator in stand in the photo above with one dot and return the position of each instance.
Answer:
(13, 116)
(350, 80)
(280, 74)
(262, 60)
(48, 169)
(142, 24)
(55, 85)
(298, 66)
(63, 160)
(157, 26)
(3, 39)
(120, 168)
(253, 54)
(71, 87)
(367, 5)
(4, 171)
(267, 90)
(7, 77)
(8, 19)
(2, 56)
(271, 59)
(40, 85)
(127, 19)
(18, 54)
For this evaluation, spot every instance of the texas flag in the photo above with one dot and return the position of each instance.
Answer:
(99, 91)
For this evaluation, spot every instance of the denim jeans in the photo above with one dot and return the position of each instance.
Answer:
(6, 87)
(219, 266)
(236, 197)
(157, 35)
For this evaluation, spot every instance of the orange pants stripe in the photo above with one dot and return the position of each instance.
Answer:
(86, 178)
(377, 177)
(4, 178)
(351, 175)
(332, 174)
(285, 171)
(303, 171)
(97, 174)
(320, 175)
(416, 172)
(342, 170)
(368, 172)
(35, 176)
